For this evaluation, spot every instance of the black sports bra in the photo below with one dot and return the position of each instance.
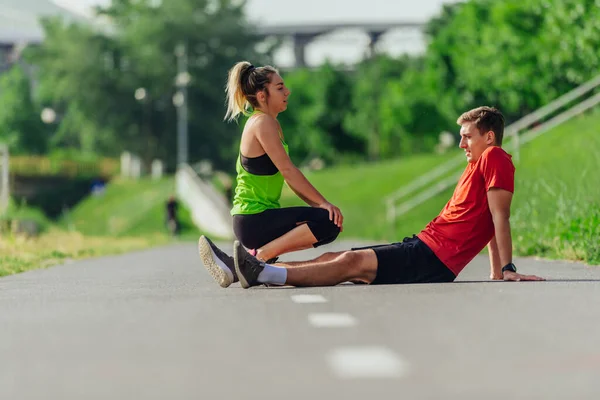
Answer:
(261, 165)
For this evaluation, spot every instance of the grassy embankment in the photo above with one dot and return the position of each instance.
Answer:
(128, 216)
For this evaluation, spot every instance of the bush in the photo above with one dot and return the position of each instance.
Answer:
(21, 218)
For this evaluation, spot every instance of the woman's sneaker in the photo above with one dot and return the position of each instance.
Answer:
(247, 267)
(218, 264)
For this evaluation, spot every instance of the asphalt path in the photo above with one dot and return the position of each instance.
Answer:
(153, 325)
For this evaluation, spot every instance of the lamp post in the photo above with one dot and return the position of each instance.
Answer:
(180, 101)
(4, 176)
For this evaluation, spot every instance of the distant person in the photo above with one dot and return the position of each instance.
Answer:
(172, 220)
(98, 187)
(263, 164)
(477, 215)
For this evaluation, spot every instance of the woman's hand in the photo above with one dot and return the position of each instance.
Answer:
(335, 214)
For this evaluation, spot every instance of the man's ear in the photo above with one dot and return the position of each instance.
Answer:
(490, 138)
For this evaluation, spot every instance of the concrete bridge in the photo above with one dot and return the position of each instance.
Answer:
(303, 34)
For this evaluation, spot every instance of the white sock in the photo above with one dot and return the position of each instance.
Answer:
(222, 265)
(273, 275)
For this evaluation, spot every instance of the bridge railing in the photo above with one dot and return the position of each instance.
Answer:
(518, 133)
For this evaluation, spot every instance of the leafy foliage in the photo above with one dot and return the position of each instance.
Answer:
(90, 77)
(20, 124)
(517, 55)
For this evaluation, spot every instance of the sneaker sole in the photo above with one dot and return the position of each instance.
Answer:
(205, 252)
(241, 276)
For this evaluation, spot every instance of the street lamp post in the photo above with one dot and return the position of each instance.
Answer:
(4, 177)
(180, 101)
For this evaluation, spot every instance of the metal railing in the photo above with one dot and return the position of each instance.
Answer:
(209, 208)
(515, 139)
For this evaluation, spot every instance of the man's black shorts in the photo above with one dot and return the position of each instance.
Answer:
(410, 261)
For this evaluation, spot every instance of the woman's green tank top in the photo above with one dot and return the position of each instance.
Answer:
(256, 193)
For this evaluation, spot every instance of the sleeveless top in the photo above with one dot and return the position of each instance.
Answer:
(258, 184)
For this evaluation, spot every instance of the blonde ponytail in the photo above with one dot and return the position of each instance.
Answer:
(243, 81)
(236, 100)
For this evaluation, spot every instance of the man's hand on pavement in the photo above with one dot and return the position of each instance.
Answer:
(516, 277)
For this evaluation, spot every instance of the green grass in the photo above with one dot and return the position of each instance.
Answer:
(128, 208)
(359, 190)
(556, 208)
(556, 211)
(20, 253)
(128, 216)
(23, 212)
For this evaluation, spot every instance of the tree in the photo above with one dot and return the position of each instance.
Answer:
(20, 124)
(215, 35)
(365, 119)
(314, 122)
(93, 77)
(516, 54)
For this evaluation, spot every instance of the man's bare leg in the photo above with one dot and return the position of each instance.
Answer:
(359, 265)
(322, 258)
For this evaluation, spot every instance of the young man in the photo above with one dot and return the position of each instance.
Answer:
(477, 215)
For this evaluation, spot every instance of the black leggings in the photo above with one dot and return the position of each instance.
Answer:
(256, 230)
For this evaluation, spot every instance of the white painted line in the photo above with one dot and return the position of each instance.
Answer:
(370, 362)
(308, 298)
(331, 320)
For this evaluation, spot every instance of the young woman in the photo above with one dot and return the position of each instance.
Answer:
(263, 164)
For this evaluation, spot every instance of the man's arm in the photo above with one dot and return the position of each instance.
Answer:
(499, 202)
(495, 264)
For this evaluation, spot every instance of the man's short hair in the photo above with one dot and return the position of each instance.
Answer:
(486, 119)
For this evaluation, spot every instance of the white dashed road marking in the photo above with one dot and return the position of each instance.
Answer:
(363, 362)
(369, 362)
(331, 320)
(308, 298)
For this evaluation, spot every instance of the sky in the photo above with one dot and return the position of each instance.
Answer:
(295, 11)
(340, 46)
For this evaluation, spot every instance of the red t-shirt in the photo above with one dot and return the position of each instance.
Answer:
(465, 226)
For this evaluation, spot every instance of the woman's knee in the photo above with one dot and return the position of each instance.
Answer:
(324, 231)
